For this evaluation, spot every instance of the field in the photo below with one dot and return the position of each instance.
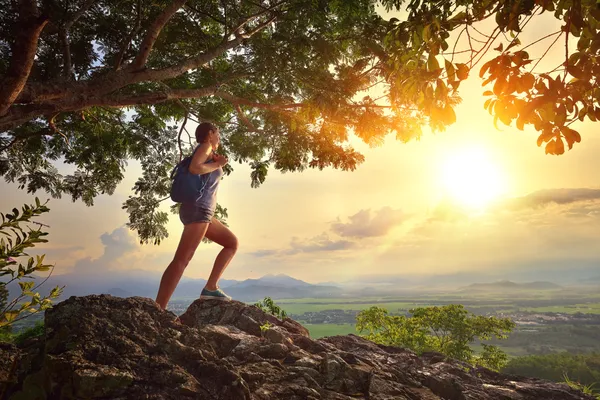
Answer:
(323, 330)
(301, 308)
(547, 321)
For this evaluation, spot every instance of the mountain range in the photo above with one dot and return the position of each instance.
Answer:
(506, 285)
(145, 284)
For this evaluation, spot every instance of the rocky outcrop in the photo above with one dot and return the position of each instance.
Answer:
(104, 347)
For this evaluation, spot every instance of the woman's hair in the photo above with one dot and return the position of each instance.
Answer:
(203, 130)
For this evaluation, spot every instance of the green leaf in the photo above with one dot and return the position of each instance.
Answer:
(26, 286)
(432, 63)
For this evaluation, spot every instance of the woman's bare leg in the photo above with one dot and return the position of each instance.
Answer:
(220, 234)
(190, 238)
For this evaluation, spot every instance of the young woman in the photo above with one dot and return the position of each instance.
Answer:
(199, 222)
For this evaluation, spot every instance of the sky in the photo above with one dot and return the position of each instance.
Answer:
(472, 199)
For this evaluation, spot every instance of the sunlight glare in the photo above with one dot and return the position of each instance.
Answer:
(472, 178)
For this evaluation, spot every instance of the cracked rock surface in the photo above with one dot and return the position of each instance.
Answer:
(105, 347)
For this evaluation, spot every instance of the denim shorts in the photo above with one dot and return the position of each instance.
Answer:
(190, 213)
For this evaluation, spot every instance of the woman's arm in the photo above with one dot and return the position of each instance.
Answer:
(197, 165)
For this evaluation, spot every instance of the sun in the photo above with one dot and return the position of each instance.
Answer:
(472, 178)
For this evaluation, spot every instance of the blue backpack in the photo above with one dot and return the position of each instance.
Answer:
(187, 187)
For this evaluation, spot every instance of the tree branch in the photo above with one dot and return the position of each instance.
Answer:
(118, 79)
(567, 30)
(187, 113)
(147, 98)
(238, 100)
(259, 28)
(86, 6)
(63, 33)
(55, 130)
(220, 21)
(202, 59)
(546, 52)
(23, 53)
(153, 32)
(241, 24)
(244, 119)
(23, 114)
(134, 30)
(540, 39)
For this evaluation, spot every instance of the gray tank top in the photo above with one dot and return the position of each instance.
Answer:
(211, 182)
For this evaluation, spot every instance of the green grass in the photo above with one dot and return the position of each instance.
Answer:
(301, 308)
(321, 330)
(590, 308)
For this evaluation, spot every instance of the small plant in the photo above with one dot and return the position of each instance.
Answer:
(265, 327)
(586, 389)
(269, 306)
(16, 236)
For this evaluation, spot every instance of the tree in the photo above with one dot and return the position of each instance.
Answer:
(449, 330)
(95, 83)
(15, 238)
(519, 92)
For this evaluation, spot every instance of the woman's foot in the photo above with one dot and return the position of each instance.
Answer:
(216, 294)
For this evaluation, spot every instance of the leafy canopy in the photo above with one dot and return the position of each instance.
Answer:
(449, 330)
(424, 72)
(97, 83)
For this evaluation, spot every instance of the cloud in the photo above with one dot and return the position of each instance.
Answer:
(263, 253)
(362, 225)
(318, 244)
(119, 246)
(580, 202)
(527, 235)
(556, 196)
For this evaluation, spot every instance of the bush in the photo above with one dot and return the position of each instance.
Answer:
(269, 306)
(448, 330)
(16, 236)
(581, 369)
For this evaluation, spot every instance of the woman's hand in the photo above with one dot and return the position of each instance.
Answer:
(219, 159)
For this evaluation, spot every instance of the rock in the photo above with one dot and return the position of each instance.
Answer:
(9, 359)
(234, 313)
(104, 347)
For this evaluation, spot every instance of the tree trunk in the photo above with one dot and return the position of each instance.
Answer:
(23, 54)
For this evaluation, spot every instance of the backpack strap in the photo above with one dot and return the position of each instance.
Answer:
(185, 162)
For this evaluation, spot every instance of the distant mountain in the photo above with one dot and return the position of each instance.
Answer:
(126, 284)
(594, 280)
(279, 286)
(279, 280)
(505, 285)
(541, 285)
(122, 284)
(145, 284)
(258, 292)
